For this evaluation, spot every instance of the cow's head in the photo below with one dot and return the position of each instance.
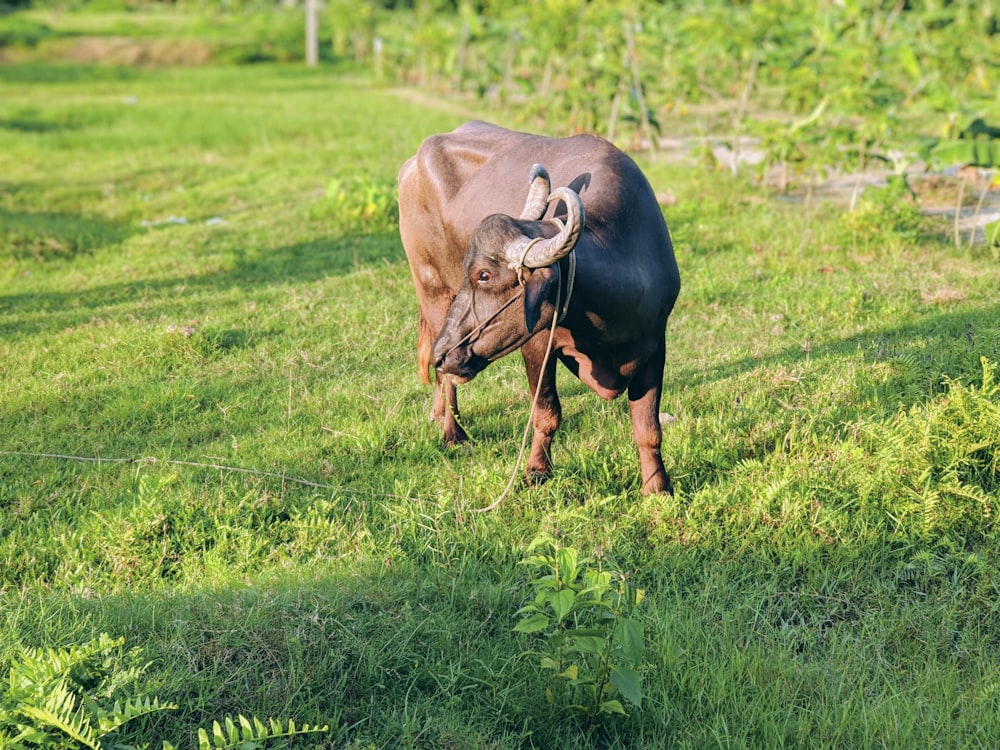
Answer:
(512, 278)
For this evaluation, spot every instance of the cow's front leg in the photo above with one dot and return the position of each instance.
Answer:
(644, 405)
(445, 410)
(548, 412)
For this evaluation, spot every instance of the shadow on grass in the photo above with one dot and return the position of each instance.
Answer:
(304, 262)
(923, 355)
(69, 71)
(376, 651)
(388, 653)
(33, 120)
(252, 270)
(974, 330)
(56, 236)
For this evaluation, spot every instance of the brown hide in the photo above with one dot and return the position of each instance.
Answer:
(626, 282)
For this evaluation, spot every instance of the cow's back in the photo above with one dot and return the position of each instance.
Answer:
(457, 179)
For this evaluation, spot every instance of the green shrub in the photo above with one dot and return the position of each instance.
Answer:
(362, 204)
(886, 211)
(18, 31)
(593, 640)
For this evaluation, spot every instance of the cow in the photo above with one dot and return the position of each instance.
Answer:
(490, 270)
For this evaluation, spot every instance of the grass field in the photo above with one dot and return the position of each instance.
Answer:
(202, 285)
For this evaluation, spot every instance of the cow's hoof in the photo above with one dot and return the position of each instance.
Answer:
(658, 484)
(456, 439)
(659, 488)
(535, 477)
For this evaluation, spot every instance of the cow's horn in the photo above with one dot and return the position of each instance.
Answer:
(538, 194)
(546, 252)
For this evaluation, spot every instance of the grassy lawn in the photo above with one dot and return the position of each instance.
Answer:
(202, 285)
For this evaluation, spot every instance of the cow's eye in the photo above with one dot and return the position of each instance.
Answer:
(483, 277)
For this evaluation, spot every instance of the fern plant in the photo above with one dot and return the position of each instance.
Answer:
(80, 697)
(76, 697)
(939, 463)
(247, 734)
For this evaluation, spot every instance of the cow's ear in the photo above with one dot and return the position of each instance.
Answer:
(537, 289)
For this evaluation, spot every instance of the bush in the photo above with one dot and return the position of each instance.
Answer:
(887, 211)
(18, 31)
(362, 205)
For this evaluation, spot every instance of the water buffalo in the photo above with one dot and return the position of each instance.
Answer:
(489, 267)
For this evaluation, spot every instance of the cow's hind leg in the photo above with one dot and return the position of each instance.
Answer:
(548, 411)
(644, 405)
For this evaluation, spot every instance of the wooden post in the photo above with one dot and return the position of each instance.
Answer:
(633, 57)
(312, 33)
(377, 55)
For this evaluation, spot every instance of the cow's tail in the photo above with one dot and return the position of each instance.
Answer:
(425, 347)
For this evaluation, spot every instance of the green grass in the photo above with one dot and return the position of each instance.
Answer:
(825, 576)
(154, 35)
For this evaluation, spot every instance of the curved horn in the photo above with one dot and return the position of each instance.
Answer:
(538, 194)
(546, 252)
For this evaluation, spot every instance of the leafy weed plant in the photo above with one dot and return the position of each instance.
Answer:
(587, 615)
(362, 205)
(889, 211)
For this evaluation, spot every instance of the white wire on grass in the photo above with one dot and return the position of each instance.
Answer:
(306, 482)
(175, 462)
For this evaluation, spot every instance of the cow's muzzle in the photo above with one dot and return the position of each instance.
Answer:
(456, 357)
(460, 362)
